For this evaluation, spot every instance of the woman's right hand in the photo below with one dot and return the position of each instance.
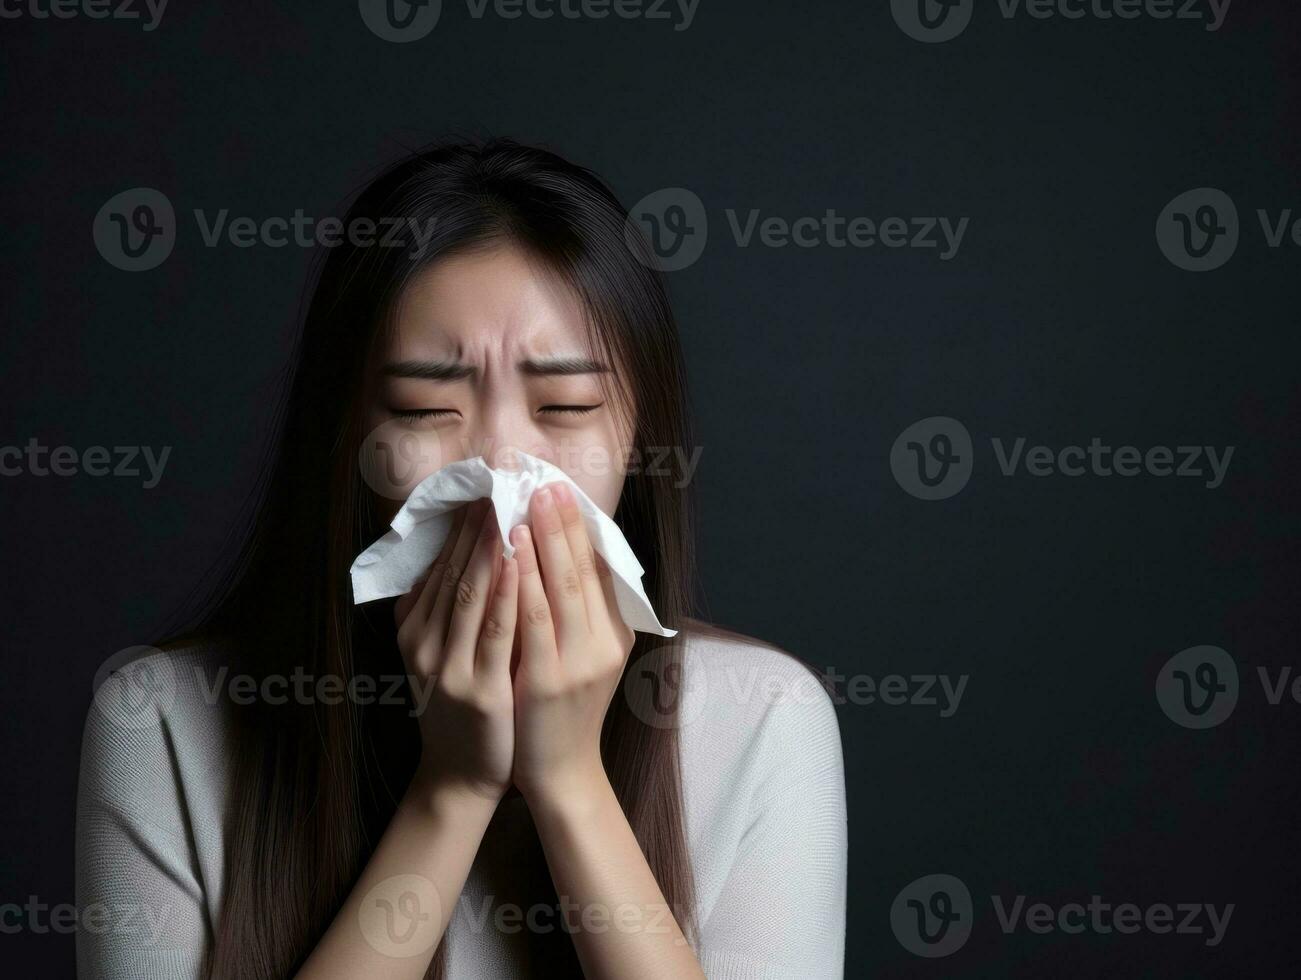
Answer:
(455, 632)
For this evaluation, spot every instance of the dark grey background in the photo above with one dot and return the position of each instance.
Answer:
(1059, 777)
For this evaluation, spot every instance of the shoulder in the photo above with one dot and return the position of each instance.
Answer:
(152, 800)
(747, 681)
(157, 729)
(764, 808)
(753, 716)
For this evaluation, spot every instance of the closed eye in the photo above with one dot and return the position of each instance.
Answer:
(436, 413)
(569, 409)
(422, 413)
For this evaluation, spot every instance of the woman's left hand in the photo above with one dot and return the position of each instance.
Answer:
(573, 646)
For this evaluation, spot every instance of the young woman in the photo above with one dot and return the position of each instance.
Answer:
(546, 793)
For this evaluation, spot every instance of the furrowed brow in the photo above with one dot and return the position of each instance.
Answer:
(456, 371)
(430, 370)
(562, 365)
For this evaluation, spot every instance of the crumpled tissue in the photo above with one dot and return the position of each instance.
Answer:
(397, 561)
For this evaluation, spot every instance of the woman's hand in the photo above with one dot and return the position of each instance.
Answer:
(455, 633)
(573, 646)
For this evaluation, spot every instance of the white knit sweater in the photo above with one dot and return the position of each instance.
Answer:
(763, 789)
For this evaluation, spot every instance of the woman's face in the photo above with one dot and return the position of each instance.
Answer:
(490, 354)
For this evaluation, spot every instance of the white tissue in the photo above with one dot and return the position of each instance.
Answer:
(397, 561)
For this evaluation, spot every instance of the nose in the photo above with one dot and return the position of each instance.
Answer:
(502, 458)
(500, 431)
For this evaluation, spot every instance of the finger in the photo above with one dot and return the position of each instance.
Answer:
(537, 636)
(441, 614)
(564, 591)
(498, 633)
(606, 579)
(470, 599)
(584, 555)
(424, 601)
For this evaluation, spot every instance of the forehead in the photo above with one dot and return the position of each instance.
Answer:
(493, 301)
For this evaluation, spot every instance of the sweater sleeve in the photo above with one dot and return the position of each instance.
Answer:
(781, 911)
(138, 885)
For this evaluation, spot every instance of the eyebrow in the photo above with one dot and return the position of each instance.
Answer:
(456, 370)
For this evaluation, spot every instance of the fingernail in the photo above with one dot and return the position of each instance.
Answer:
(564, 496)
(544, 498)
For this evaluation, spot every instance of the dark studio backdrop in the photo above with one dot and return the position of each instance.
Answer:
(1095, 248)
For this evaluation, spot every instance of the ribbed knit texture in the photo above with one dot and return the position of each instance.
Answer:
(763, 787)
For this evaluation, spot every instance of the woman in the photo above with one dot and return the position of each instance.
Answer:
(539, 800)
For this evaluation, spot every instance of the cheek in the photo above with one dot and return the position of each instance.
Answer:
(604, 488)
(597, 466)
(603, 466)
(394, 458)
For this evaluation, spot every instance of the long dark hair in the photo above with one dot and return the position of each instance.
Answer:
(315, 784)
